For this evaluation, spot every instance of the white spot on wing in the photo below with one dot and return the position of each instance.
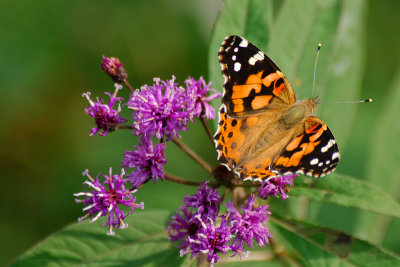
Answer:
(259, 56)
(314, 161)
(335, 156)
(236, 49)
(225, 80)
(244, 43)
(233, 57)
(237, 66)
(328, 145)
(320, 164)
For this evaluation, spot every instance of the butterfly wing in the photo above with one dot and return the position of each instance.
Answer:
(253, 83)
(255, 90)
(312, 151)
(236, 148)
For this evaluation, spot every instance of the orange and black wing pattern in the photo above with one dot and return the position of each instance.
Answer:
(252, 80)
(313, 152)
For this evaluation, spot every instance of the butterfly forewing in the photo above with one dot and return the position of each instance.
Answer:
(253, 83)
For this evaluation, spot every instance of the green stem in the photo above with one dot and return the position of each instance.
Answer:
(208, 131)
(129, 86)
(192, 154)
(178, 180)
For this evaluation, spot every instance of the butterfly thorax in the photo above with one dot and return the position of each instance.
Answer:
(298, 112)
(289, 123)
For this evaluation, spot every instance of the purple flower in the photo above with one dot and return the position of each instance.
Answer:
(249, 225)
(197, 91)
(106, 198)
(113, 67)
(106, 118)
(210, 240)
(276, 185)
(160, 110)
(148, 161)
(206, 201)
(183, 225)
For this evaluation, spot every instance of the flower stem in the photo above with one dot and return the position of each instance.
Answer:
(193, 155)
(129, 86)
(205, 125)
(175, 179)
(126, 127)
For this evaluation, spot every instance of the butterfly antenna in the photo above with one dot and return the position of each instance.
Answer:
(368, 100)
(315, 68)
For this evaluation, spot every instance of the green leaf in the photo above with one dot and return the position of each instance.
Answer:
(347, 191)
(143, 243)
(314, 246)
(383, 164)
(339, 26)
(249, 18)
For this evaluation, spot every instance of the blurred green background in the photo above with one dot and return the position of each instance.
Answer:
(50, 53)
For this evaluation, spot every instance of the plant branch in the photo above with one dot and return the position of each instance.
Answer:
(178, 180)
(208, 131)
(125, 127)
(129, 86)
(193, 155)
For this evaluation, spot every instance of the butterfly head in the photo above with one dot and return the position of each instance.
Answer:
(311, 103)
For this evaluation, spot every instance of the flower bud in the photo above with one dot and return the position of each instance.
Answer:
(113, 67)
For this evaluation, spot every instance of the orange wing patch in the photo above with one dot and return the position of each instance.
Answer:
(294, 144)
(228, 139)
(256, 172)
(254, 83)
(261, 101)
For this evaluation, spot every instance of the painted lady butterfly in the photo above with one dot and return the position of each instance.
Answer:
(263, 131)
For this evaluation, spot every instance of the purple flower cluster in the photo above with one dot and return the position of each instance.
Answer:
(148, 161)
(203, 204)
(105, 116)
(205, 200)
(198, 92)
(274, 186)
(164, 109)
(159, 112)
(210, 240)
(106, 199)
(249, 225)
(200, 230)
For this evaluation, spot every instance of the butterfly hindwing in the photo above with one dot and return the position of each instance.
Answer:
(252, 80)
(313, 152)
